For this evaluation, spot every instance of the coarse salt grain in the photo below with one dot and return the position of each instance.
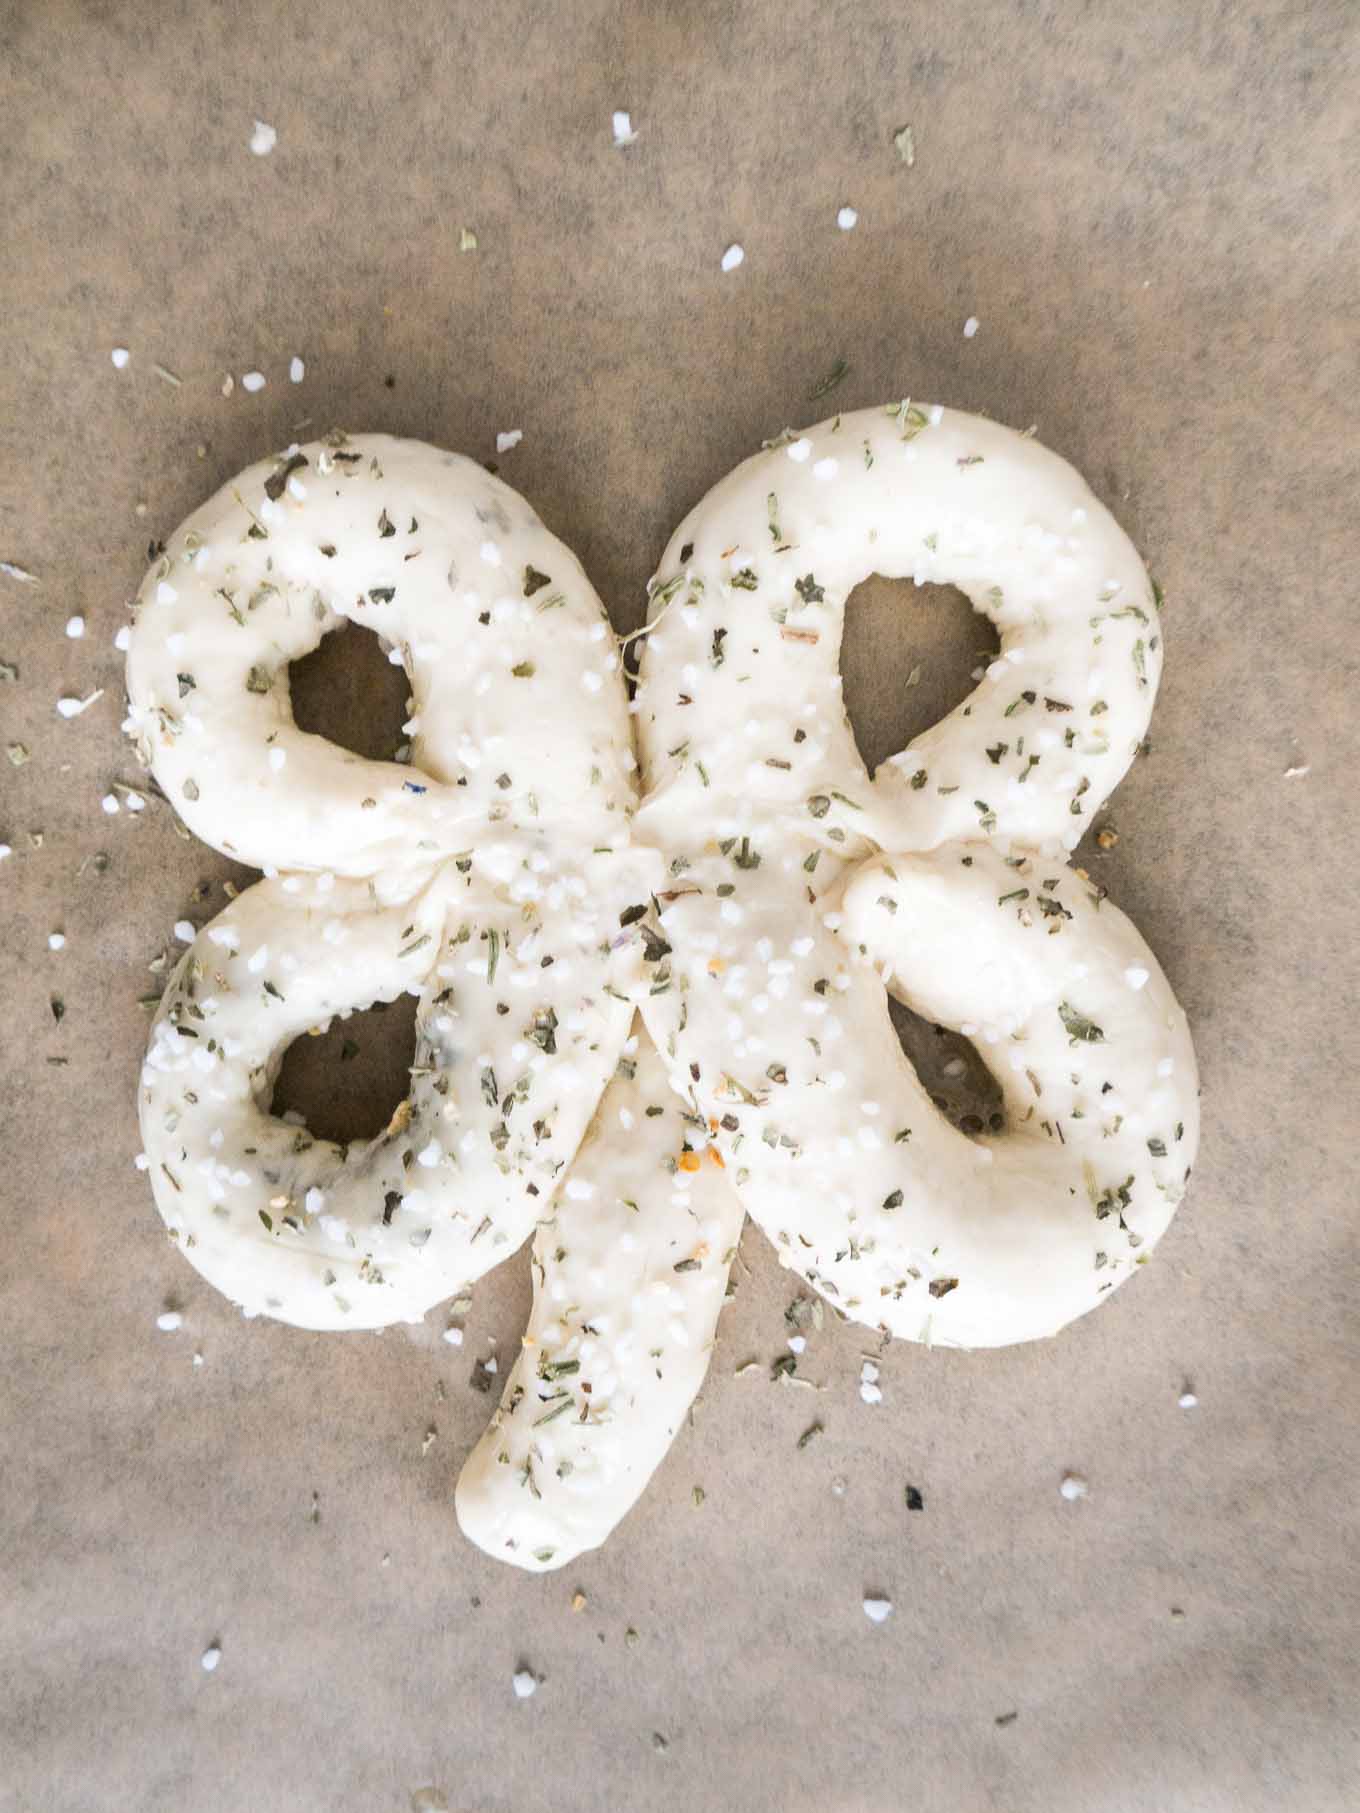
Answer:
(623, 129)
(122, 641)
(277, 758)
(109, 804)
(263, 139)
(1073, 1487)
(211, 1656)
(253, 380)
(878, 1611)
(454, 1336)
(75, 628)
(846, 219)
(509, 439)
(524, 1684)
(1135, 975)
(56, 941)
(120, 356)
(732, 257)
(297, 371)
(184, 931)
(169, 1320)
(970, 327)
(1187, 1400)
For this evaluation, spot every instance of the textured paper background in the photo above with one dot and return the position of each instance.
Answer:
(1153, 214)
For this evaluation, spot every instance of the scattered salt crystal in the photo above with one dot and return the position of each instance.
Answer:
(454, 1336)
(623, 129)
(211, 1656)
(846, 219)
(970, 327)
(165, 593)
(732, 257)
(1073, 1487)
(1136, 976)
(75, 628)
(509, 439)
(169, 1320)
(6, 850)
(878, 1611)
(122, 639)
(430, 1155)
(253, 380)
(799, 450)
(184, 931)
(142, 1162)
(277, 758)
(120, 356)
(1187, 1400)
(109, 803)
(797, 1343)
(263, 139)
(56, 941)
(297, 371)
(135, 802)
(524, 1684)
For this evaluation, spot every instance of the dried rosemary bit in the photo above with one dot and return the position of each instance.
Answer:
(837, 375)
(1080, 1028)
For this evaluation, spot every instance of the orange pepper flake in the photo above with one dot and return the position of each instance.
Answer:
(716, 966)
(689, 1161)
(717, 1158)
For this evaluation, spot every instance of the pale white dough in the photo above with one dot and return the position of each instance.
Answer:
(493, 878)
(630, 1269)
(517, 709)
(327, 1236)
(801, 886)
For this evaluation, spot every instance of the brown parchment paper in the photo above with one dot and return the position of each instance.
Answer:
(1152, 213)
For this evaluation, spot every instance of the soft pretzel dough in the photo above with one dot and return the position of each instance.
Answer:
(497, 883)
(517, 714)
(629, 1277)
(495, 879)
(357, 1236)
(800, 885)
